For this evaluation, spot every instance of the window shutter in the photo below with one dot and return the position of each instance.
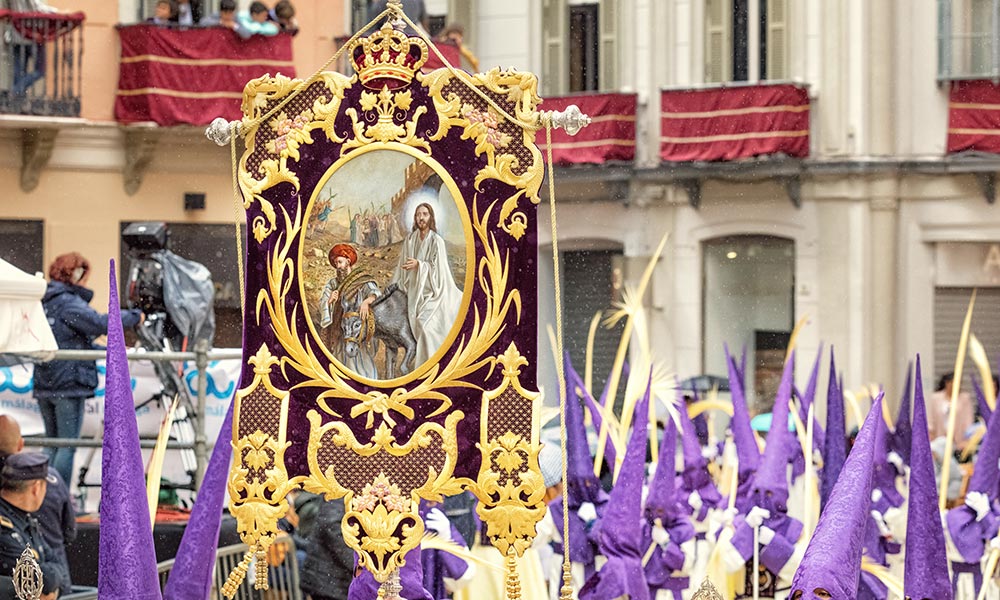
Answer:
(718, 41)
(607, 21)
(777, 39)
(554, 60)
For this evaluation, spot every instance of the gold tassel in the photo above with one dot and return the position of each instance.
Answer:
(261, 579)
(566, 591)
(513, 582)
(236, 577)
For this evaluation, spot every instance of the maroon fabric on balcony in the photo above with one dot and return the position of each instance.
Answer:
(449, 51)
(42, 27)
(974, 116)
(735, 122)
(191, 76)
(609, 137)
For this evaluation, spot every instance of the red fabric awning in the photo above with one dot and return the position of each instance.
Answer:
(40, 27)
(729, 123)
(974, 116)
(609, 137)
(191, 76)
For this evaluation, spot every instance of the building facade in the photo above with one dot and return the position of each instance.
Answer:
(844, 193)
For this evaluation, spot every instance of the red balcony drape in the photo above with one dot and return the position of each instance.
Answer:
(609, 137)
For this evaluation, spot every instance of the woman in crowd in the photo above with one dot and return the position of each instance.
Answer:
(62, 386)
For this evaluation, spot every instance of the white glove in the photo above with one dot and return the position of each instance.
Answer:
(883, 528)
(660, 535)
(587, 512)
(728, 515)
(756, 516)
(694, 501)
(978, 502)
(765, 535)
(876, 495)
(437, 522)
(896, 460)
(709, 452)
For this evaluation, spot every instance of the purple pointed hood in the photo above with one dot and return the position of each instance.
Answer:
(695, 476)
(883, 472)
(127, 561)
(902, 438)
(770, 486)
(984, 407)
(621, 526)
(574, 381)
(832, 561)
(661, 502)
(747, 451)
(194, 563)
(835, 446)
(986, 475)
(926, 565)
(810, 393)
(582, 485)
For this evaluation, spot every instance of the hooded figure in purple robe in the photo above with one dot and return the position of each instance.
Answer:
(835, 443)
(575, 382)
(587, 499)
(411, 578)
(621, 530)
(885, 493)
(972, 525)
(925, 574)
(441, 570)
(831, 564)
(805, 401)
(878, 542)
(747, 451)
(769, 496)
(696, 485)
(901, 439)
(666, 529)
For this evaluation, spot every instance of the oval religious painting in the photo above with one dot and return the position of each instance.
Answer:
(386, 266)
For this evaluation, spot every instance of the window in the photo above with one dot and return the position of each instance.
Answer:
(748, 284)
(968, 39)
(584, 48)
(746, 40)
(215, 247)
(21, 244)
(579, 46)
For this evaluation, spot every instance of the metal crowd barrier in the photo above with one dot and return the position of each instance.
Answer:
(200, 357)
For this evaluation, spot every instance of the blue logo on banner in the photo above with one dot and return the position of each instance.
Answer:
(7, 383)
(192, 382)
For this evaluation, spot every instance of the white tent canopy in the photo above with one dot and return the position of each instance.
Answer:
(23, 326)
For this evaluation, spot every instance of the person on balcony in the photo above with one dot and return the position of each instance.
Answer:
(63, 386)
(26, 52)
(164, 13)
(255, 22)
(283, 14)
(226, 17)
(188, 13)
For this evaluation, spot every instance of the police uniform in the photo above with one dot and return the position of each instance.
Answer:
(20, 529)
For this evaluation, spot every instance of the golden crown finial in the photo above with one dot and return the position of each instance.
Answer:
(388, 57)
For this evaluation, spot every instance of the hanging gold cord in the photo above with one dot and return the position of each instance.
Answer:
(566, 591)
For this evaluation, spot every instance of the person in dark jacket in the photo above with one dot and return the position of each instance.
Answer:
(61, 387)
(329, 566)
(56, 517)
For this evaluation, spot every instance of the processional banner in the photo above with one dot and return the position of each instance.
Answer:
(390, 328)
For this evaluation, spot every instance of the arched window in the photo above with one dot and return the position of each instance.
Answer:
(748, 284)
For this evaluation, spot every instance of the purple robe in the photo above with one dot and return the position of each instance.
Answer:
(364, 586)
(666, 559)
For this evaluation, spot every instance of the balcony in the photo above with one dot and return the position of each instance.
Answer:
(610, 137)
(40, 63)
(171, 76)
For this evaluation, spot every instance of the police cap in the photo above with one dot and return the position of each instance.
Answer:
(25, 466)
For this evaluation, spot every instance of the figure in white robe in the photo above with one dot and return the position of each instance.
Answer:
(423, 272)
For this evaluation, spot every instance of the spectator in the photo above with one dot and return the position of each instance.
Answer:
(940, 406)
(188, 13)
(26, 53)
(283, 14)
(63, 386)
(56, 517)
(256, 22)
(455, 34)
(164, 14)
(414, 9)
(329, 565)
(226, 17)
(22, 490)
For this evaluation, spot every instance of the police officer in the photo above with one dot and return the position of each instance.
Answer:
(22, 490)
